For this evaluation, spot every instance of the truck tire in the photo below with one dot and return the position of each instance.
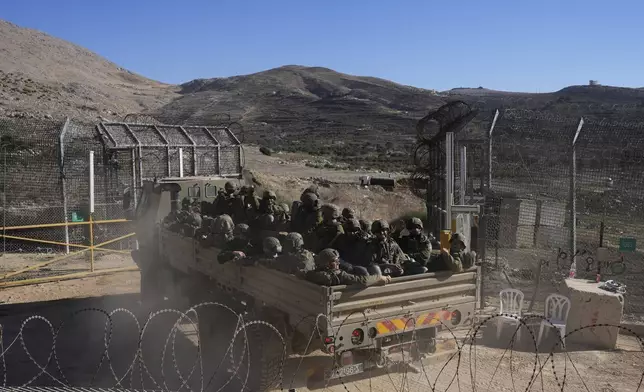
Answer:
(268, 355)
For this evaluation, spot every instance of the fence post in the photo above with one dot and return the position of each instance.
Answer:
(91, 209)
(573, 201)
(489, 151)
(63, 181)
(4, 199)
(449, 180)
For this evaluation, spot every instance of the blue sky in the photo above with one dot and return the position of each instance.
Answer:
(520, 45)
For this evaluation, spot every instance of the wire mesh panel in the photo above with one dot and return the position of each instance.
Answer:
(610, 206)
(30, 182)
(528, 206)
(529, 209)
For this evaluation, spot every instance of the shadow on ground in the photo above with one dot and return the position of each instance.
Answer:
(63, 343)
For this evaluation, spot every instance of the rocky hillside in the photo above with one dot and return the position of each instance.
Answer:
(45, 76)
(297, 108)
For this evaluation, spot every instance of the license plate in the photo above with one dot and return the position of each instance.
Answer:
(345, 371)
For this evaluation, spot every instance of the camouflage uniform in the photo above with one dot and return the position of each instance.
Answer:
(307, 218)
(250, 202)
(353, 245)
(347, 215)
(268, 204)
(327, 232)
(328, 273)
(452, 260)
(416, 245)
(239, 244)
(384, 251)
(365, 225)
(314, 189)
(295, 258)
(283, 218)
(271, 249)
(227, 202)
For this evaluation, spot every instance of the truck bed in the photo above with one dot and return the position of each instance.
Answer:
(407, 303)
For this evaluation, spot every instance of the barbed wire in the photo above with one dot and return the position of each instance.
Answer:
(466, 344)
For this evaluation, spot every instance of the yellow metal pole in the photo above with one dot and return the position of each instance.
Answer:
(445, 237)
(91, 242)
(43, 264)
(76, 275)
(13, 237)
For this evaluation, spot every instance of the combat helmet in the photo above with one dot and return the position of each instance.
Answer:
(330, 211)
(271, 245)
(379, 225)
(325, 257)
(293, 242)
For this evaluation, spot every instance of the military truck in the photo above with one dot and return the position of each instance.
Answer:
(361, 328)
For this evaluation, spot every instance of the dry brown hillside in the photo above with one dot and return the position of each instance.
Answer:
(45, 76)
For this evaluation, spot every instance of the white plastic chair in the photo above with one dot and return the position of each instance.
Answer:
(511, 307)
(557, 308)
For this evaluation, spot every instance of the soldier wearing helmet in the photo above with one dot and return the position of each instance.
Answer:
(308, 216)
(365, 225)
(230, 203)
(268, 204)
(327, 232)
(353, 245)
(416, 244)
(271, 249)
(454, 258)
(314, 189)
(347, 214)
(384, 251)
(250, 202)
(328, 272)
(239, 247)
(283, 217)
(295, 259)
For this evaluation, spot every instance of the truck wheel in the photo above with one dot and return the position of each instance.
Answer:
(267, 357)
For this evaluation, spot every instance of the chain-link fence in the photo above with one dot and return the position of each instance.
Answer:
(547, 172)
(45, 187)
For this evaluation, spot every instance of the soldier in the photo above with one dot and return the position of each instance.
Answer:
(314, 189)
(328, 272)
(353, 246)
(416, 245)
(399, 229)
(268, 204)
(384, 251)
(456, 258)
(347, 215)
(271, 248)
(251, 202)
(327, 232)
(224, 201)
(295, 258)
(308, 216)
(283, 217)
(239, 247)
(365, 225)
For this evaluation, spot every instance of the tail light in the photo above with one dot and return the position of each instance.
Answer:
(456, 317)
(331, 349)
(329, 340)
(357, 336)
